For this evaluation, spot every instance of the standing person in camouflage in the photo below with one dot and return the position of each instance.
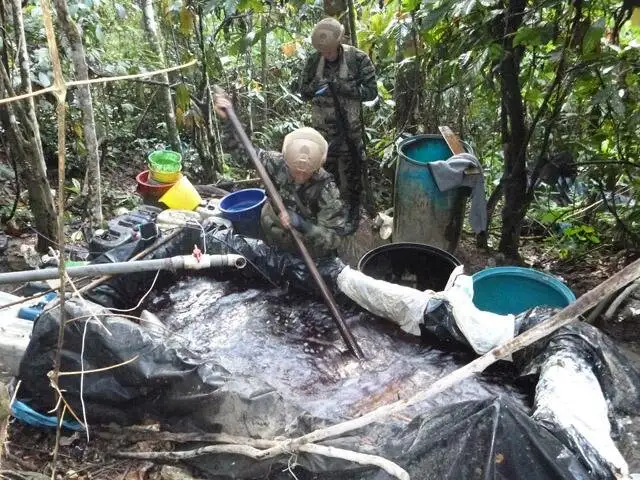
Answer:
(313, 202)
(346, 72)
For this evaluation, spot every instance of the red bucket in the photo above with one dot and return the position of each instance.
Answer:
(150, 189)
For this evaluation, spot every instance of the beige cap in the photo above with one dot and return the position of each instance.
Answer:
(327, 34)
(305, 150)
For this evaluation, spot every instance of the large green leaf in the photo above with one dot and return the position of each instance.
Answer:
(410, 5)
(532, 36)
(430, 17)
(186, 21)
(255, 5)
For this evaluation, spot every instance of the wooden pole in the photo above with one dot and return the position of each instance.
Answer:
(279, 207)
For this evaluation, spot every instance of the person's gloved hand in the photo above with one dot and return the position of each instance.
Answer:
(222, 103)
(321, 87)
(290, 218)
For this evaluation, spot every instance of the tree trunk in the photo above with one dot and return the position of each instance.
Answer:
(340, 10)
(151, 26)
(263, 74)
(515, 171)
(23, 58)
(206, 140)
(76, 53)
(249, 69)
(409, 82)
(26, 146)
(352, 23)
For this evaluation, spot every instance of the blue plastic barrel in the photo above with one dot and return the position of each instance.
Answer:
(422, 213)
(243, 209)
(504, 290)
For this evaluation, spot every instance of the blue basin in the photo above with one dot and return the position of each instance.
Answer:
(243, 209)
(504, 290)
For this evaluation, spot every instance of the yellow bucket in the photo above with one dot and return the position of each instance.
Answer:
(165, 177)
(182, 196)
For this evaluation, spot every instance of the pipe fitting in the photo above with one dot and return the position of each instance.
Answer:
(237, 261)
(206, 261)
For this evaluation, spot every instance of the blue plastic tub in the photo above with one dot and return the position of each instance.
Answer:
(243, 209)
(504, 290)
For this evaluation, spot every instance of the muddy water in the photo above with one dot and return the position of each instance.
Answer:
(289, 340)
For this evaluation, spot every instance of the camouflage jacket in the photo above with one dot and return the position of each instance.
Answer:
(354, 77)
(316, 201)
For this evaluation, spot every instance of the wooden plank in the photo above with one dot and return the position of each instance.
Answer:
(457, 147)
(452, 140)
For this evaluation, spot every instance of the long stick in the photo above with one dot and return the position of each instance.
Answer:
(279, 206)
(60, 91)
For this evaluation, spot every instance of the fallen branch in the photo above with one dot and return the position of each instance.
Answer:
(131, 435)
(248, 451)
(388, 466)
(244, 450)
(619, 299)
(16, 475)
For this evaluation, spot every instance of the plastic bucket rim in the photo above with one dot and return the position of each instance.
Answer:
(160, 166)
(422, 136)
(225, 211)
(169, 153)
(400, 245)
(529, 273)
(142, 178)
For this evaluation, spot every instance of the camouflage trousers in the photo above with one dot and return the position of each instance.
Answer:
(276, 235)
(347, 170)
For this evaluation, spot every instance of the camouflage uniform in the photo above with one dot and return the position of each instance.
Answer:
(316, 201)
(354, 78)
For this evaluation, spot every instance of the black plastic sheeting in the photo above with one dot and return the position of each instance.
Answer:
(255, 358)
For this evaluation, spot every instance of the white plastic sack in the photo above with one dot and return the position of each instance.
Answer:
(483, 330)
(404, 306)
(569, 398)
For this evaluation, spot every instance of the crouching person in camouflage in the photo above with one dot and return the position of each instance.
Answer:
(313, 202)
